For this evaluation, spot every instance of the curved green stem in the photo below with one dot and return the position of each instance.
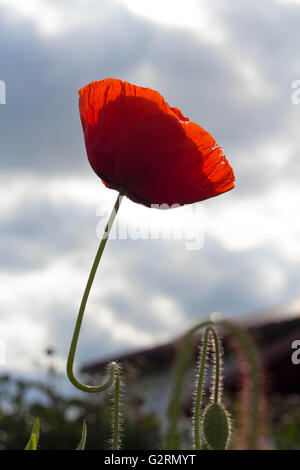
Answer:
(73, 347)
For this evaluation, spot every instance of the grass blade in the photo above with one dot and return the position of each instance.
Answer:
(34, 437)
(81, 445)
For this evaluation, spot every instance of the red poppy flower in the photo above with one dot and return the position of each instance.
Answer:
(136, 141)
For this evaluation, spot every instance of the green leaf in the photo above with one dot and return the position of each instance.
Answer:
(81, 445)
(34, 437)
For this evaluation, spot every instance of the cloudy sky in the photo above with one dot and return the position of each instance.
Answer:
(229, 66)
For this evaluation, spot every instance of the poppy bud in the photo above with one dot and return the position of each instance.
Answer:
(216, 426)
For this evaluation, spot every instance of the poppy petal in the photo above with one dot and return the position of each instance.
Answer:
(135, 140)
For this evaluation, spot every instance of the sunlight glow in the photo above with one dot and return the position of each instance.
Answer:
(46, 16)
(191, 14)
(52, 18)
(271, 222)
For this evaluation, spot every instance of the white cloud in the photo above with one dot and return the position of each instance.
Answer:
(166, 312)
(122, 331)
(191, 14)
(53, 17)
(266, 220)
(46, 16)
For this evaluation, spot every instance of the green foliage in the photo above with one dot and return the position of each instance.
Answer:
(34, 437)
(254, 393)
(82, 443)
(61, 418)
(285, 416)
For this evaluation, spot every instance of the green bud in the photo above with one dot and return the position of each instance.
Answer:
(216, 426)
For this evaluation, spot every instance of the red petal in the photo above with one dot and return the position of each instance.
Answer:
(136, 140)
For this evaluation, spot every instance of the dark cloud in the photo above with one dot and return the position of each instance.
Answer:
(39, 231)
(209, 279)
(40, 134)
(40, 128)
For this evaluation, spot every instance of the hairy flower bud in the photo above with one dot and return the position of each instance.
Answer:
(216, 426)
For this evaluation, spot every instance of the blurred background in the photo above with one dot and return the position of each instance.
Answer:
(230, 67)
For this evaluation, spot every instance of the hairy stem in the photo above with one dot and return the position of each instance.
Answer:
(217, 365)
(199, 389)
(181, 368)
(198, 400)
(116, 415)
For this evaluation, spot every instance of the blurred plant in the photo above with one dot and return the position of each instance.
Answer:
(82, 443)
(34, 437)
(215, 419)
(285, 415)
(61, 418)
(214, 423)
